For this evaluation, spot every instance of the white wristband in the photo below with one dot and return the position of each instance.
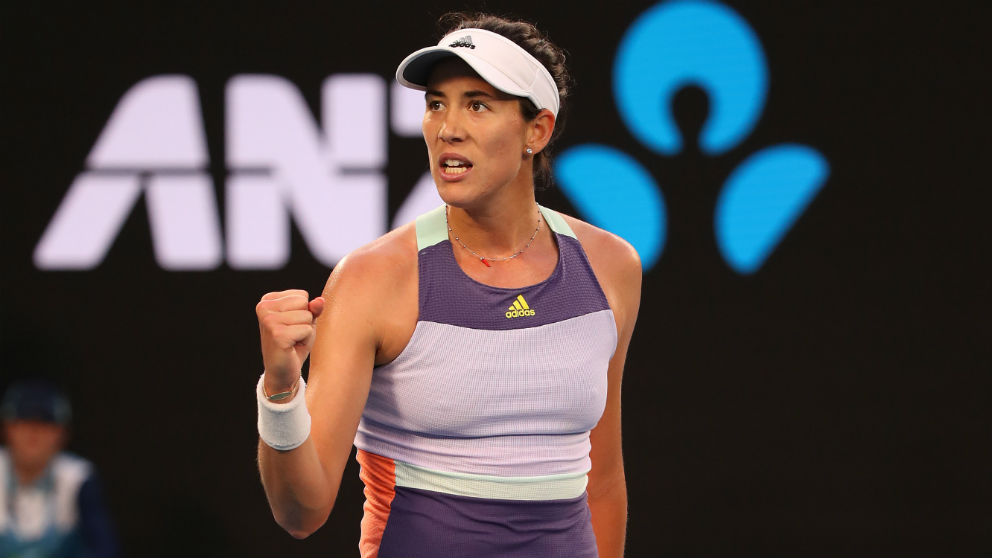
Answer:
(283, 426)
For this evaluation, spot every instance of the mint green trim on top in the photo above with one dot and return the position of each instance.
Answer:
(432, 228)
(546, 487)
(556, 221)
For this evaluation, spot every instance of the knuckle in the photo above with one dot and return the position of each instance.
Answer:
(297, 293)
(269, 321)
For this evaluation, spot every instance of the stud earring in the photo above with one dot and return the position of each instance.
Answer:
(530, 151)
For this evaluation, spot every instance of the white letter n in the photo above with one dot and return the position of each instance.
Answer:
(332, 183)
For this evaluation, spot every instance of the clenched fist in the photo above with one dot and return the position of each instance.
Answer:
(287, 324)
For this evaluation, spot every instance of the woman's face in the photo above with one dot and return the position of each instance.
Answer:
(475, 136)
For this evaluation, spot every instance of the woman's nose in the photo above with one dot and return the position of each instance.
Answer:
(451, 129)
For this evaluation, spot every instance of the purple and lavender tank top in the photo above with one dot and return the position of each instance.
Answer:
(475, 439)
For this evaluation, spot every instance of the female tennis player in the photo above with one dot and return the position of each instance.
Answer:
(474, 356)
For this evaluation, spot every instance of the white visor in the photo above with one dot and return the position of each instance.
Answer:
(498, 60)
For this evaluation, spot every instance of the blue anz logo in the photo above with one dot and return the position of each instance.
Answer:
(705, 44)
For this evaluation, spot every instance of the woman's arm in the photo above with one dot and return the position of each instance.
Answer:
(607, 483)
(618, 269)
(302, 484)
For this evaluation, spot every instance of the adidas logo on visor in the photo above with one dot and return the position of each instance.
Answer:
(501, 62)
(465, 41)
(519, 308)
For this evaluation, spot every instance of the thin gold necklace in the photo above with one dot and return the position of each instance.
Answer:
(487, 259)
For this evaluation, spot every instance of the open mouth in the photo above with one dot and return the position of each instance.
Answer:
(454, 167)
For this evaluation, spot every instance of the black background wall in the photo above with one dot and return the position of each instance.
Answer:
(835, 401)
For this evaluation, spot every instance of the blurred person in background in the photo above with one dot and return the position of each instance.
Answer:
(52, 502)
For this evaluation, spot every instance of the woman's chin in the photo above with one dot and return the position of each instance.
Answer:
(452, 194)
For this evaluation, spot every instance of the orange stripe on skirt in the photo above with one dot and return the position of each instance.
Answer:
(379, 475)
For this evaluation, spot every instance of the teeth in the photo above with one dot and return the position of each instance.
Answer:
(453, 163)
(455, 170)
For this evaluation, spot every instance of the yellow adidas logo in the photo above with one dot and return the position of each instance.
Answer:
(519, 308)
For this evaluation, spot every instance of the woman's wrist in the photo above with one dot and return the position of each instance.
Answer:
(279, 392)
(283, 425)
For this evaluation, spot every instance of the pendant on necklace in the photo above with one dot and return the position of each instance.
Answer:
(483, 260)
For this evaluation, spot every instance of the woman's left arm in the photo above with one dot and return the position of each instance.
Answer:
(619, 270)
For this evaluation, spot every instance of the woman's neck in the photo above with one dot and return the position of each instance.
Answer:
(497, 230)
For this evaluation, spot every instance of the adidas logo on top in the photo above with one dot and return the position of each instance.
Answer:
(465, 41)
(519, 308)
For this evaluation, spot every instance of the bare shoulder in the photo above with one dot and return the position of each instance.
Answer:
(609, 254)
(378, 267)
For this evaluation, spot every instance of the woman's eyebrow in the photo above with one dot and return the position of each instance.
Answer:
(478, 93)
(475, 93)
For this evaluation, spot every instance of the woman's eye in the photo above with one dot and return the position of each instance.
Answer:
(433, 105)
(478, 106)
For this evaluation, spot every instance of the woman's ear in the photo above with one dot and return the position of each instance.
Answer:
(540, 130)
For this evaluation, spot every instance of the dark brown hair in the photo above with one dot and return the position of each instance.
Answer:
(540, 47)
